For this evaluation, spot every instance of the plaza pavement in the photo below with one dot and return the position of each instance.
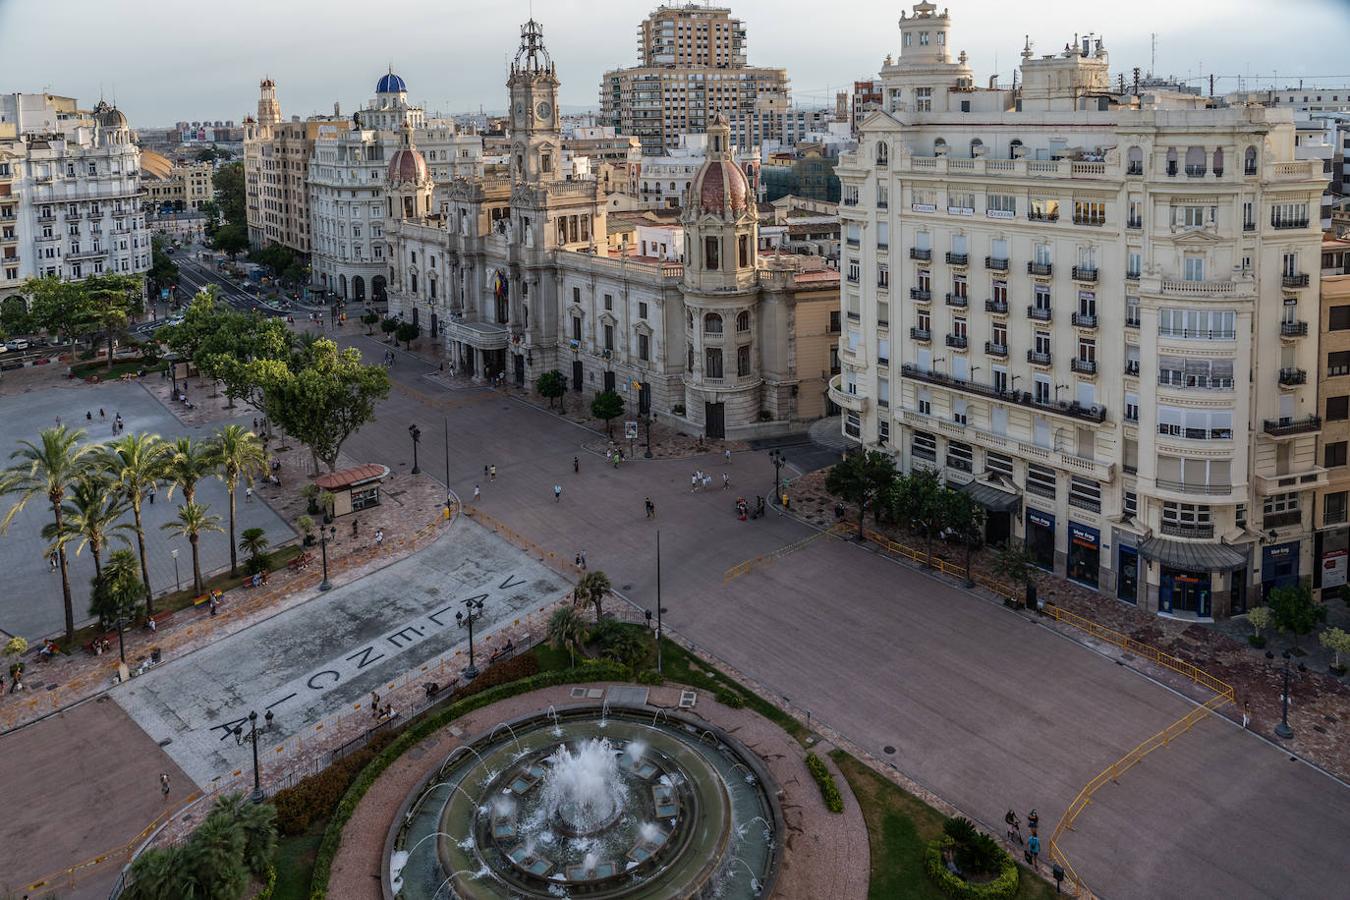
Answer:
(987, 709)
(30, 595)
(322, 657)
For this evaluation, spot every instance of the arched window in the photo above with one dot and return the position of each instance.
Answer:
(940, 147)
(1218, 162)
(1249, 161)
(1171, 161)
(976, 148)
(1015, 149)
(883, 154)
(1134, 161)
(743, 321)
(1195, 162)
(690, 316)
(712, 324)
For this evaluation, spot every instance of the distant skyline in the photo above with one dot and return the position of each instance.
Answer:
(164, 63)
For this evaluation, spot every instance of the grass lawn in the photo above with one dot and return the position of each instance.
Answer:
(127, 366)
(295, 863)
(899, 827)
(681, 666)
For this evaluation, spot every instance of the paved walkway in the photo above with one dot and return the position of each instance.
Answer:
(826, 855)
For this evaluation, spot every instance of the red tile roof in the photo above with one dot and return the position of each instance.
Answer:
(350, 477)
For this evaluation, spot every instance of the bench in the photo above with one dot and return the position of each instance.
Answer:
(107, 638)
(503, 653)
(300, 562)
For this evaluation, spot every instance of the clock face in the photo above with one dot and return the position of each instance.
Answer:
(544, 110)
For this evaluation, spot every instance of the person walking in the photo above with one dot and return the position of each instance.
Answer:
(379, 537)
(355, 524)
(1033, 850)
(492, 473)
(248, 495)
(1014, 827)
(1033, 821)
(693, 482)
(726, 481)
(151, 494)
(651, 509)
(557, 493)
(477, 493)
(707, 481)
(164, 784)
(576, 466)
(1246, 714)
(726, 455)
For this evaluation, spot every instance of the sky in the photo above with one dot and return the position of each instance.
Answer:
(172, 60)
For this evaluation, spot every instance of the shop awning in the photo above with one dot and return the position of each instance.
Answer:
(1193, 556)
(991, 498)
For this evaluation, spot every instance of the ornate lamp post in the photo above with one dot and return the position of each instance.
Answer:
(257, 796)
(779, 459)
(416, 434)
(473, 612)
(178, 582)
(323, 548)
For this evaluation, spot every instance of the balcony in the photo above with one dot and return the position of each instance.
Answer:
(1134, 168)
(1195, 171)
(1036, 358)
(1291, 427)
(1134, 223)
(958, 259)
(957, 341)
(1293, 377)
(1188, 529)
(1198, 334)
(1085, 273)
(921, 255)
(843, 398)
(1288, 223)
(995, 264)
(921, 334)
(1248, 226)
(1083, 366)
(1131, 276)
(1282, 519)
(1085, 320)
(1042, 269)
(1189, 487)
(958, 300)
(1293, 329)
(1186, 288)
(1035, 216)
(1073, 410)
(1132, 367)
(999, 307)
(1294, 281)
(73, 217)
(920, 294)
(1039, 313)
(1094, 221)
(996, 349)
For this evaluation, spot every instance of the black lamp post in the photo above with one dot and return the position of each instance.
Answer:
(647, 613)
(779, 459)
(447, 467)
(416, 434)
(257, 796)
(473, 612)
(1283, 730)
(323, 548)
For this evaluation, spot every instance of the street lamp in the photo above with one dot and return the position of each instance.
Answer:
(323, 548)
(178, 582)
(257, 796)
(647, 613)
(474, 609)
(779, 459)
(447, 468)
(1283, 730)
(416, 434)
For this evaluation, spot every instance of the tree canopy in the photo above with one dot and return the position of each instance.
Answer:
(229, 185)
(607, 405)
(550, 385)
(861, 479)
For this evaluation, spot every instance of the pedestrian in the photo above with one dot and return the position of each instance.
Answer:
(164, 783)
(375, 704)
(1033, 850)
(1014, 827)
(576, 465)
(486, 467)
(255, 424)
(557, 493)
(693, 482)
(355, 524)
(102, 414)
(581, 555)
(151, 494)
(477, 493)
(248, 495)
(726, 454)
(1246, 714)
(492, 473)
(51, 562)
(651, 508)
(726, 481)
(1033, 820)
(707, 481)
(212, 603)
(379, 537)
(88, 415)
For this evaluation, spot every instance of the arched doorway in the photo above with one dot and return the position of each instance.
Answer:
(377, 289)
(501, 292)
(359, 288)
(342, 286)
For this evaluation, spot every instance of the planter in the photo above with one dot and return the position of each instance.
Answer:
(1256, 641)
(313, 507)
(309, 540)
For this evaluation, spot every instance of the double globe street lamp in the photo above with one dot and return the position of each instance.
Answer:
(473, 612)
(416, 434)
(257, 796)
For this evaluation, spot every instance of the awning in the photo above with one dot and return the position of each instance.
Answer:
(991, 498)
(1193, 557)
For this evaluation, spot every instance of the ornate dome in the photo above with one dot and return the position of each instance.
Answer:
(407, 166)
(109, 116)
(391, 84)
(719, 187)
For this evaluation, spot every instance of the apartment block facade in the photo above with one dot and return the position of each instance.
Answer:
(1091, 311)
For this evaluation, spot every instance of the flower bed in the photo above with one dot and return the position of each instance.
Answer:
(829, 791)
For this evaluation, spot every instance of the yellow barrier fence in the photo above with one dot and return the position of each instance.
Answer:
(744, 568)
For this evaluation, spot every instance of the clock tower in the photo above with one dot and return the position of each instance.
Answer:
(536, 143)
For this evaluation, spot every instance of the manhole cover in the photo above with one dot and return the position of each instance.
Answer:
(626, 587)
(888, 749)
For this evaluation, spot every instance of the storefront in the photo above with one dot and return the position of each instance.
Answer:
(1181, 591)
(1041, 539)
(1279, 567)
(1084, 554)
(1193, 576)
(1000, 507)
(1127, 574)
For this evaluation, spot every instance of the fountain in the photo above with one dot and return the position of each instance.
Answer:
(605, 803)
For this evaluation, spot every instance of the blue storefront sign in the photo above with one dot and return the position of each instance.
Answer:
(1279, 566)
(1084, 553)
(1041, 538)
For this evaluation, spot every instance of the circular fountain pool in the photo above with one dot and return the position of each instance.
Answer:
(613, 803)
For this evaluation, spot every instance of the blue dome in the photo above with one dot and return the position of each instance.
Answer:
(391, 84)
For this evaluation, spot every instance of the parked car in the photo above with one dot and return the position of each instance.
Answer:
(17, 344)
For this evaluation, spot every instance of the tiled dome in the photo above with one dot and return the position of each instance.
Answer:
(407, 166)
(719, 187)
(391, 84)
(109, 116)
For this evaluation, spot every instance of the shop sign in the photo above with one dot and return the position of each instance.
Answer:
(1040, 519)
(1334, 565)
(1084, 536)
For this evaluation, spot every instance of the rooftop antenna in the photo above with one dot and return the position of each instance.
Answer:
(1153, 54)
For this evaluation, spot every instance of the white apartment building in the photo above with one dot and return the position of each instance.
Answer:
(1090, 310)
(71, 207)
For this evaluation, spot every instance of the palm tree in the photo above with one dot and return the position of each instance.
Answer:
(591, 589)
(237, 454)
(258, 823)
(117, 590)
(565, 629)
(136, 464)
(50, 467)
(92, 516)
(188, 462)
(254, 542)
(193, 521)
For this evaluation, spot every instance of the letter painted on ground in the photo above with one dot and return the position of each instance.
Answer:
(365, 657)
(337, 676)
(403, 635)
(227, 729)
(508, 583)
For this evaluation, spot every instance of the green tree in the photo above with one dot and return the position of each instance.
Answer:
(861, 479)
(966, 518)
(407, 333)
(254, 542)
(591, 591)
(163, 270)
(1259, 618)
(163, 873)
(238, 455)
(231, 239)
(187, 463)
(48, 468)
(117, 590)
(93, 517)
(258, 823)
(114, 300)
(924, 505)
(1338, 642)
(228, 182)
(389, 325)
(61, 308)
(192, 522)
(608, 406)
(215, 857)
(322, 396)
(1015, 562)
(370, 320)
(136, 463)
(211, 210)
(550, 385)
(1293, 610)
(629, 647)
(566, 630)
(14, 317)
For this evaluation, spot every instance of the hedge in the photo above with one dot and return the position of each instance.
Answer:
(829, 791)
(1001, 888)
(416, 732)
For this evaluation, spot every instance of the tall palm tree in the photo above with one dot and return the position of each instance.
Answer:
(92, 516)
(566, 629)
(49, 467)
(238, 455)
(188, 463)
(193, 521)
(136, 463)
(591, 590)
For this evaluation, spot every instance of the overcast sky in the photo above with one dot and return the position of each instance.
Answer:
(172, 60)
